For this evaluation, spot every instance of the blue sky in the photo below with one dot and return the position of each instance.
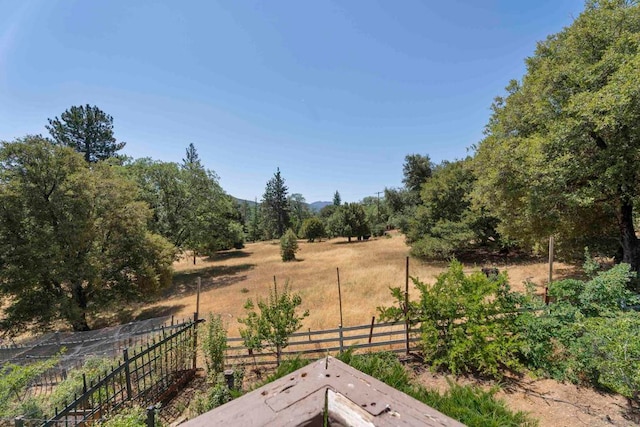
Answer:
(335, 93)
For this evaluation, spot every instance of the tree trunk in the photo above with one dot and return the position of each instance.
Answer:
(79, 321)
(628, 239)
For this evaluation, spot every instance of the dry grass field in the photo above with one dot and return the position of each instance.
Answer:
(367, 270)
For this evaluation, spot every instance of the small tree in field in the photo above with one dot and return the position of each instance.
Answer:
(288, 246)
(275, 322)
(214, 344)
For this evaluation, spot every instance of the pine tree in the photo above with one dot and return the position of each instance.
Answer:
(88, 130)
(275, 207)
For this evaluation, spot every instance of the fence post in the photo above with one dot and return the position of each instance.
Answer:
(373, 319)
(19, 421)
(341, 338)
(151, 416)
(230, 380)
(127, 371)
(195, 339)
(406, 306)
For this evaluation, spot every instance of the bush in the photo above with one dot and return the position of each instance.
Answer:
(214, 344)
(288, 246)
(14, 380)
(467, 322)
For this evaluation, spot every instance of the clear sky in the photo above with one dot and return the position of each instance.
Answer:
(335, 93)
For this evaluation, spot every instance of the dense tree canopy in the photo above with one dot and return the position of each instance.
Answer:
(562, 148)
(416, 170)
(73, 238)
(189, 206)
(88, 130)
(349, 220)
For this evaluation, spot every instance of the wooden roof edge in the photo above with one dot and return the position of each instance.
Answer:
(300, 398)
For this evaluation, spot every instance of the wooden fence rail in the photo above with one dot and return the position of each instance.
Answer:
(380, 336)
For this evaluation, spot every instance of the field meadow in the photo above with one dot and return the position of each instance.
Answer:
(367, 270)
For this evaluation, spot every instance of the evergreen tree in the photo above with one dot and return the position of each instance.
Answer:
(275, 207)
(88, 130)
(337, 200)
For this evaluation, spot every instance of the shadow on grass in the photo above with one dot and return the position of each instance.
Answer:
(160, 311)
(185, 282)
(352, 242)
(231, 254)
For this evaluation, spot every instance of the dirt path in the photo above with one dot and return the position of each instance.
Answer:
(552, 403)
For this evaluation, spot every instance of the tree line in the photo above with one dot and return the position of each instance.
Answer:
(559, 156)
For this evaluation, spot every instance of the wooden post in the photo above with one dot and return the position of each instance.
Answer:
(198, 296)
(406, 306)
(550, 259)
(19, 421)
(373, 319)
(341, 338)
(339, 297)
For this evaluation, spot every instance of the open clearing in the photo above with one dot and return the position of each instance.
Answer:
(367, 270)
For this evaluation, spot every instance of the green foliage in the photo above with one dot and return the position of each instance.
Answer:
(299, 211)
(88, 130)
(14, 380)
(214, 344)
(189, 206)
(73, 238)
(469, 405)
(312, 229)
(275, 207)
(447, 221)
(349, 220)
(561, 147)
(584, 335)
(608, 353)
(288, 246)
(467, 322)
(134, 416)
(65, 392)
(417, 169)
(277, 320)
(337, 200)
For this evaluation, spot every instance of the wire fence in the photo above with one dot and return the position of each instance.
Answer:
(149, 374)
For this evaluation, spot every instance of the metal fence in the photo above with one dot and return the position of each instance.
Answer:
(149, 375)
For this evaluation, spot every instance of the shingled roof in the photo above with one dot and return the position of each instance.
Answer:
(348, 397)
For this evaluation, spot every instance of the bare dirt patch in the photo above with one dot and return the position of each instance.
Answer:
(552, 403)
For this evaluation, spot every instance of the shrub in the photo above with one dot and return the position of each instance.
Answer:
(467, 322)
(14, 380)
(277, 320)
(214, 344)
(288, 246)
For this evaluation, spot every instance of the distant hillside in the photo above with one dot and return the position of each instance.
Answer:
(314, 207)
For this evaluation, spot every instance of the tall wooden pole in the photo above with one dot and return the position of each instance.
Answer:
(406, 306)
(198, 296)
(339, 295)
